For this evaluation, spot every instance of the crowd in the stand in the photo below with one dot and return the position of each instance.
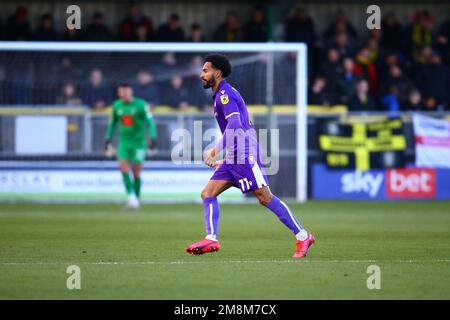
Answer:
(402, 66)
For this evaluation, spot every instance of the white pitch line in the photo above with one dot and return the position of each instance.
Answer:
(222, 262)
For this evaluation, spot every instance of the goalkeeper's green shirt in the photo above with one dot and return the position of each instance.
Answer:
(133, 119)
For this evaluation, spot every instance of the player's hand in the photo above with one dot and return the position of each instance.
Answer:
(151, 151)
(108, 144)
(217, 164)
(109, 149)
(152, 144)
(210, 155)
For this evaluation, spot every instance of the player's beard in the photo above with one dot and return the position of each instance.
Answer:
(210, 83)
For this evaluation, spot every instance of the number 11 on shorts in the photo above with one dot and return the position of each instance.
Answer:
(247, 185)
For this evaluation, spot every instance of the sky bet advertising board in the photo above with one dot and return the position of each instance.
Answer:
(387, 184)
(365, 161)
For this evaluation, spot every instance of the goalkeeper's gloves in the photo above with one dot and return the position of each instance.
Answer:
(151, 148)
(152, 144)
(109, 149)
(108, 144)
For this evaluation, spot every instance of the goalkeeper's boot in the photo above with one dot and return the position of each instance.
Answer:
(303, 246)
(133, 202)
(203, 246)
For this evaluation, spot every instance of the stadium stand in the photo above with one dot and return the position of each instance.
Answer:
(405, 64)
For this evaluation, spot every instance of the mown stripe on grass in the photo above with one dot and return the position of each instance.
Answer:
(223, 262)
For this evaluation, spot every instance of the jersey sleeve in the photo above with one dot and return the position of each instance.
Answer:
(112, 122)
(228, 104)
(153, 133)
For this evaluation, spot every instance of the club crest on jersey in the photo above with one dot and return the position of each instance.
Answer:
(127, 120)
(224, 99)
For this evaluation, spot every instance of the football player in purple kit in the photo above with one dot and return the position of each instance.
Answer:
(241, 166)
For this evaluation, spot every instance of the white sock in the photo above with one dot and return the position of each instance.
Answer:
(211, 237)
(302, 235)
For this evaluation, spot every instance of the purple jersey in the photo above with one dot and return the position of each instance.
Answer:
(227, 102)
(243, 146)
(242, 166)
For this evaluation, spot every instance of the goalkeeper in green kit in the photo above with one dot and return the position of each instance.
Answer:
(134, 118)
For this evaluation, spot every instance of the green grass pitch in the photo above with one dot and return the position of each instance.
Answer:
(126, 255)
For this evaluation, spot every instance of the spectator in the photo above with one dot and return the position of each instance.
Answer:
(171, 31)
(45, 30)
(434, 81)
(300, 28)
(168, 66)
(414, 102)
(376, 34)
(332, 68)
(97, 30)
(419, 33)
(195, 67)
(142, 34)
(390, 100)
(177, 96)
(230, 30)
(365, 67)
(346, 83)
(131, 23)
(146, 88)
(423, 57)
(362, 100)
(338, 26)
(256, 29)
(430, 104)
(385, 65)
(398, 80)
(321, 93)
(342, 44)
(67, 71)
(373, 45)
(199, 96)
(69, 95)
(392, 37)
(196, 33)
(96, 94)
(17, 26)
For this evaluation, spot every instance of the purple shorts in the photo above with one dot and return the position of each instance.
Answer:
(246, 177)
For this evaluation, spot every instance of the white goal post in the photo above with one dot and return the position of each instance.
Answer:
(301, 76)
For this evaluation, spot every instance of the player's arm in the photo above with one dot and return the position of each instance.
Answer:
(232, 115)
(233, 123)
(153, 132)
(111, 128)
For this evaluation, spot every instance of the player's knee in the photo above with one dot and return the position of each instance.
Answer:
(124, 168)
(264, 200)
(206, 194)
(136, 173)
(263, 197)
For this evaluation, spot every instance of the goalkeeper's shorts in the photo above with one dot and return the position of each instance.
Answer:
(131, 153)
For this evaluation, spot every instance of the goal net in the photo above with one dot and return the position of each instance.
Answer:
(77, 81)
